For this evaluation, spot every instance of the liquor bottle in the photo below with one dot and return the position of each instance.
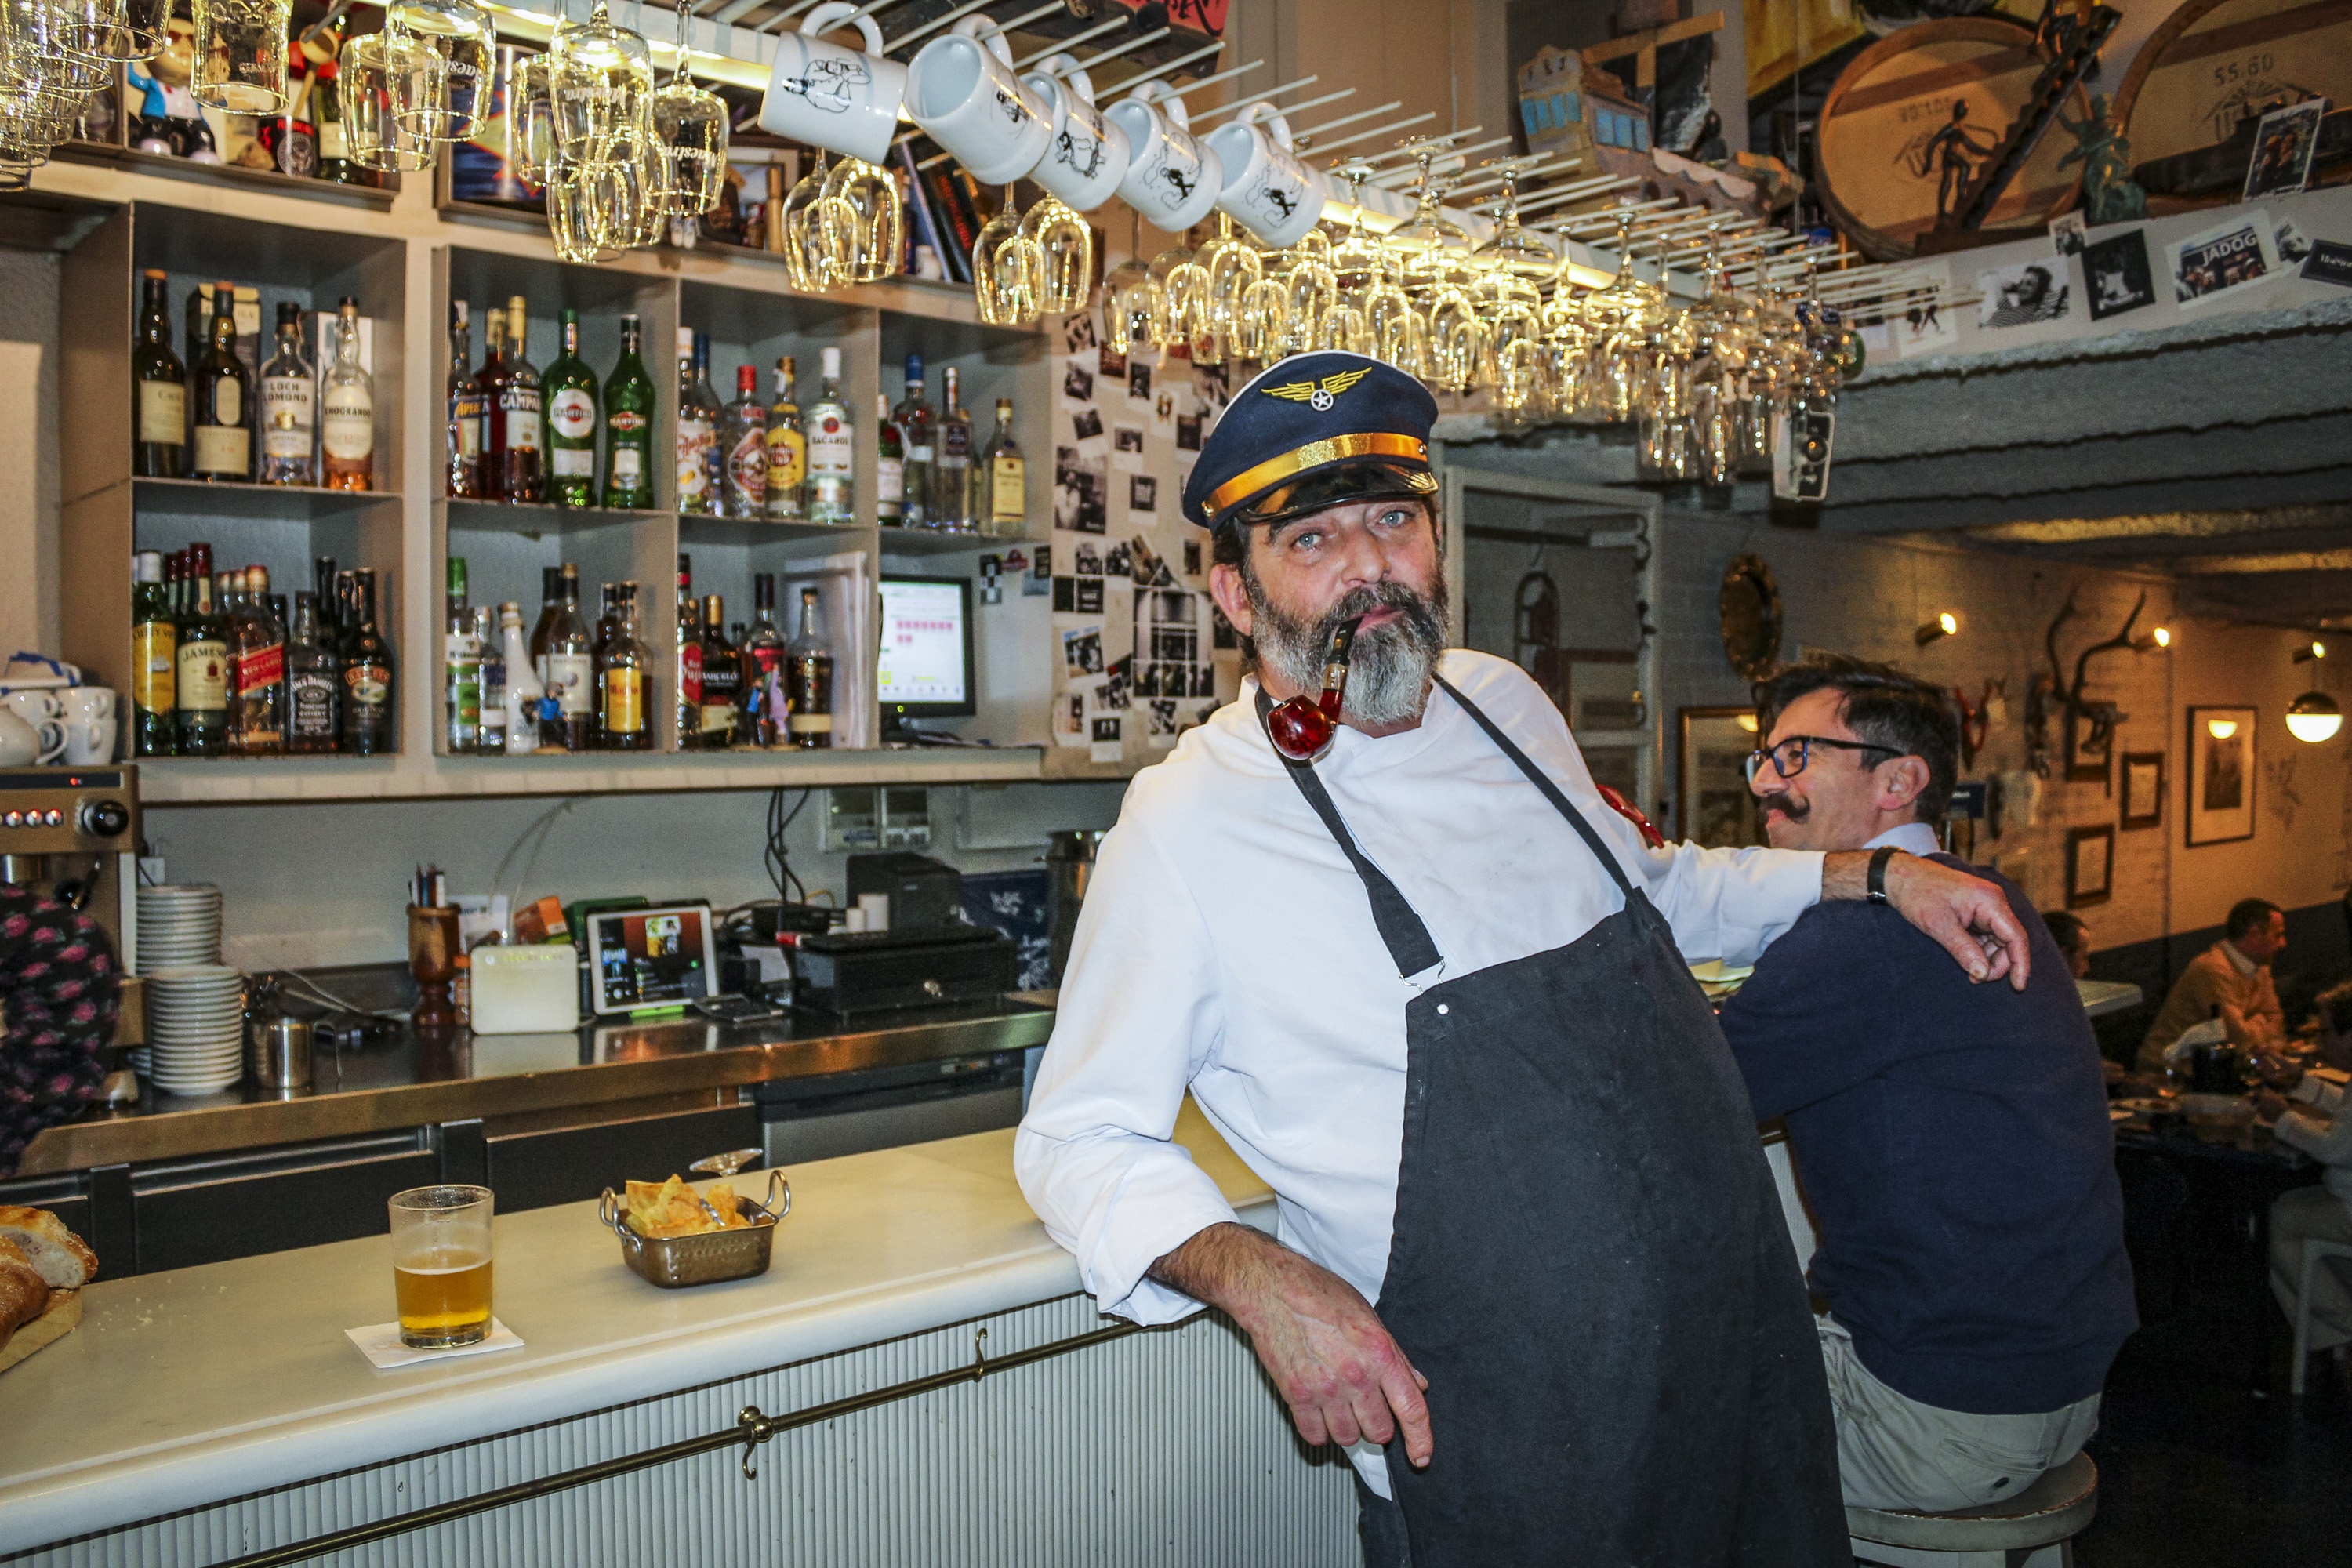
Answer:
(566, 668)
(626, 680)
(743, 436)
(571, 423)
(257, 720)
(687, 721)
(461, 669)
(154, 651)
(722, 678)
(551, 607)
(915, 421)
(697, 428)
(367, 691)
(200, 684)
(952, 470)
(808, 679)
(714, 457)
(346, 408)
(526, 694)
(288, 397)
(522, 413)
(890, 467)
(224, 401)
(329, 607)
(490, 472)
(334, 146)
(629, 424)
(1003, 506)
(314, 696)
(787, 451)
(159, 446)
(490, 731)
(761, 652)
(462, 441)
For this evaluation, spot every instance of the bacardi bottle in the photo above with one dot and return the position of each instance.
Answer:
(832, 452)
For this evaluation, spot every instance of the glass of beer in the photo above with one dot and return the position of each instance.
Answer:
(441, 1266)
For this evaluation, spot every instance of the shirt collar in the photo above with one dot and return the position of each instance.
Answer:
(1913, 837)
(2239, 961)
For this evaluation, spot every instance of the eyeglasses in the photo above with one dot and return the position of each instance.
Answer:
(1789, 756)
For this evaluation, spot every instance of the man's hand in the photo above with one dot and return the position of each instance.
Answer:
(2269, 1106)
(1343, 1377)
(1967, 915)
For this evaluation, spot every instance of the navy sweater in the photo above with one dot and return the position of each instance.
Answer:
(1955, 1143)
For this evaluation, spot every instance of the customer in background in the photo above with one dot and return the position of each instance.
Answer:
(2073, 940)
(2229, 981)
(2310, 1115)
(1953, 1138)
(59, 986)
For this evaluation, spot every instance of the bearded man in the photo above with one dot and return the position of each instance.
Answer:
(1531, 1272)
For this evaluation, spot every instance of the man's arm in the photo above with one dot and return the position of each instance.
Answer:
(1344, 1378)
(1969, 917)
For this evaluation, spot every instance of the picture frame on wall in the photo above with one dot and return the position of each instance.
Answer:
(2090, 865)
(1603, 687)
(1712, 805)
(2143, 804)
(2222, 775)
(2087, 763)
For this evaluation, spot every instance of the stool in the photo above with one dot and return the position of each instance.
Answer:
(2314, 1249)
(2034, 1529)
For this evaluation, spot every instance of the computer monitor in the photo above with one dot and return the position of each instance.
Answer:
(926, 669)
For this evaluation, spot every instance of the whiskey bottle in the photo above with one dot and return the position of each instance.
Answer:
(224, 403)
(330, 607)
(787, 451)
(570, 389)
(722, 678)
(490, 731)
(314, 698)
(368, 688)
(698, 433)
(686, 725)
(566, 668)
(832, 452)
(461, 668)
(914, 420)
(808, 676)
(462, 440)
(521, 415)
(334, 146)
(889, 467)
(629, 424)
(528, 725)
(743, 436)
(256, 725)
(159, 448)
(626, 688)
(289, 395)
(346, 408)
(154, 651)
(1003, 508)
(490, 472)
(952, 470)
(761, 652)
(200, 681)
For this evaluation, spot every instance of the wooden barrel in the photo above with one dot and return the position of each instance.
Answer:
(1920, 111)
(2208, 71)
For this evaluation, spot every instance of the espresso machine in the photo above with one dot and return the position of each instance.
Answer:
(73, 833)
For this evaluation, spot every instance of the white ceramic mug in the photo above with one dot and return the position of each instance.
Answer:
(1087, 155)
(86, 703)
(1267, 188)
(1172, 179)
(962, 89)
(89, 739)
(832, 97)
(20, 742)
(33, 736)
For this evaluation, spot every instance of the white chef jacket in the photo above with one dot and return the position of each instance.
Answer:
(1226, 945)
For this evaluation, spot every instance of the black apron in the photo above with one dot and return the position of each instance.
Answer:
(1589, 1263)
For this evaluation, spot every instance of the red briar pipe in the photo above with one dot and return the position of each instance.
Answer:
(1301, 728)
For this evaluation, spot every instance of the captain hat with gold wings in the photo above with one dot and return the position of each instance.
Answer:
(1312, 431)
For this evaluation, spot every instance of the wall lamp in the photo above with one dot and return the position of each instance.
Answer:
(1943, 626)
(2160, 637)
(2314, 717)
(2311, 650)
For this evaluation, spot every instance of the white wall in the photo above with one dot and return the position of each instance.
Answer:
(28, 452)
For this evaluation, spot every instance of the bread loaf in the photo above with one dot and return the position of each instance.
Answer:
(24, 1295)
(63, 1260)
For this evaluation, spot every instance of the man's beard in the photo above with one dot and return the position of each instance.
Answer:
(1388, 669)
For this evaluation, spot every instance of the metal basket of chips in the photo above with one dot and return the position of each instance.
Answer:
(706, 1257)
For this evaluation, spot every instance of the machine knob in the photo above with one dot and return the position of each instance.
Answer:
(12, 819)
(105, 818)
(54, 817)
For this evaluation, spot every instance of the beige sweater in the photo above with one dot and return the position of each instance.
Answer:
(2249, 1003)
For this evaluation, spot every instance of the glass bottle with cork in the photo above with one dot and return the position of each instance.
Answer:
(346, 408)
(224, 399)
(520, 452)
(159, 443)
(368, 675)
(461, 440)
(625, 685)
(722, 678)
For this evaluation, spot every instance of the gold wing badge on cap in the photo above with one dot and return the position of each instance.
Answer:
(1319, 396)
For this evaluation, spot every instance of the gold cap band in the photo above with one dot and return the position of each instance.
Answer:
(1330, 449)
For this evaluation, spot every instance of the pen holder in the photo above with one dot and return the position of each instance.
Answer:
(433, 960)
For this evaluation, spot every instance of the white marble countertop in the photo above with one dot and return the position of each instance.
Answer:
(183, 1388)
(2101, 997)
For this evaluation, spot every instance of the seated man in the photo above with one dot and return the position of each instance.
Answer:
(2073, 940)
(2229, 981)
(1953, 1139)
(2324, 1211)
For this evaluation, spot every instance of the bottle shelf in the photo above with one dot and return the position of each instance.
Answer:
(233, 176)
(540, 517)
(931, 541)
(229, 498)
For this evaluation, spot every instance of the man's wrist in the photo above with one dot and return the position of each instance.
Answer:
(1845, 873)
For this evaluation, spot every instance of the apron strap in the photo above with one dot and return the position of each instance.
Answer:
(1408, 939)
(1550, 791)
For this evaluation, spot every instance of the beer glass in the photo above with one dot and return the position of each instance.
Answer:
(441, 1266)
(240, 54)
(384, 80)
(463, 37)
(864, 224)
(530, 122)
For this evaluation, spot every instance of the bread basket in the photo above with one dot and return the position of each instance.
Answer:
(675, 1261)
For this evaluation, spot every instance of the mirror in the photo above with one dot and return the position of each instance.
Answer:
(1749, 605)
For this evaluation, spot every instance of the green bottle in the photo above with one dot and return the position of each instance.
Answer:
(629, 426)
(570, 391)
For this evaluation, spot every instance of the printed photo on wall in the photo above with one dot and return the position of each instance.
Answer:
(2090, 865)
(2143, 789)
(1078, 384)
(2284, 143)
(1126, 438)
(2024, 295)
(1081, 492)
(2115, 275)
(1086, 425)
(1921, 328)
(1082, 652)
(1142, 493)
(1111, 363)
(1139, 383)
(2238, 254)
(1086, 559)
(2066, 234)
(2221, 774)
(1188, 432)
(1078, 331)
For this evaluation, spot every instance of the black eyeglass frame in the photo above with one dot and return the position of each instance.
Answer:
(1754, 762)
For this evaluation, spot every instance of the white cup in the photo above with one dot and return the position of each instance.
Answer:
(833, 97)
(20, 742)
(1087, 155)
(1267, 188)
(962, 89)
(86, 703)
(32, 704)
(89, 741)
(1172, 179)
(875, 909)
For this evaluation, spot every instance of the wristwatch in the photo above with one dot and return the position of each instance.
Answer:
(1877, 883)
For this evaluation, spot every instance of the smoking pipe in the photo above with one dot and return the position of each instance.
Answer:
(1301, 728)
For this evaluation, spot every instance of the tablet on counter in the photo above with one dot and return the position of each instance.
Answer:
(642, 960)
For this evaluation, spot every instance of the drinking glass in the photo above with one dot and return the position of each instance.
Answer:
(115, 30)
(382, 79)
(531, 122)
(579, 202)
(240, 54)
(865, 223)
(1065, 250)
(1135, 308)
(690, 133)
(1008, 270)
(441, 1266)
(599, 79)
(466, 42)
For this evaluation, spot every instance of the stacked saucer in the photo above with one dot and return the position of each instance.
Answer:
(195, 1029)
(179, 925)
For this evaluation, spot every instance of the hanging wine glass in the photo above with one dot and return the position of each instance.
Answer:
(240, 54)
(531, 122)
(580, 206)
(600, 79)
(867, 224)
(115, 30)
(1721, 324)
(690, 133)
(462, 33)
(1065, 248)
(1008, 270)
(386, 83)
(811, 265)
(1133, 305)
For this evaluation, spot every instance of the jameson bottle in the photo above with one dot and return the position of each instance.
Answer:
(520, 451)
(159, 443)
(314, 699)
(461, 442)
(787, 451)
(698, 433)
(629, 424)
(743, 436)
(154, 650)
(570, 389)
(224, 399)
(808, 677)
(200, 681)
(367, 676)
(257, 723)
(832, 452)
(346, 408)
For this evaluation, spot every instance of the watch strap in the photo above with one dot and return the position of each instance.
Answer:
(1877, 884)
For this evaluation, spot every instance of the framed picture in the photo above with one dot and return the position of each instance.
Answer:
(1616, 766)
(2143, 790)
(1603, 689)
(1712, 804)
(2087, 761)
(2090, 865)
(2221, 774)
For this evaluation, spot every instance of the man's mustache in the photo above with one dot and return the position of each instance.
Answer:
(1365, 600)
(1781, 801)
